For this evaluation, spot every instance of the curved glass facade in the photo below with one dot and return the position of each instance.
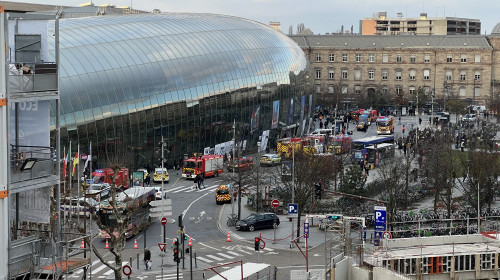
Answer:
(130, 79)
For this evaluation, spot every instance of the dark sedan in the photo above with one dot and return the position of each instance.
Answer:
(258, 220)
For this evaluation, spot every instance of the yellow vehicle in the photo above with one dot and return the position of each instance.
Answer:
(222, 195)
(160, 175)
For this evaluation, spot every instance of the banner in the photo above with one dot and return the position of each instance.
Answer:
(254, 119)
(138, 178)
(276, 113)
(291, 112)
(302, 107)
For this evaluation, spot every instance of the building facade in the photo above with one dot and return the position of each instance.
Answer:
(423, 25)
(186, 77)
(397, 67)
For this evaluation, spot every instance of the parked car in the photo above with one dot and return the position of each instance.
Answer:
(270, 160)
(79, 206)
(258, 220)
(361, 126)
(469, 118)
(158, 193)
(98, 191)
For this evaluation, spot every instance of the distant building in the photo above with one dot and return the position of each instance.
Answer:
(423, 25)
(276, 25)
(351, 68)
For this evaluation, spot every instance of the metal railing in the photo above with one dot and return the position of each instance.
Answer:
(24, 77)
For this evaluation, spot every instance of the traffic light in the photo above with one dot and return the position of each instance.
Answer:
(257, 244)
(317, 191)
(176, 251)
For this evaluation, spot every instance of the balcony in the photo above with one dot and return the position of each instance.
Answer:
(31, 167)
(32, 78)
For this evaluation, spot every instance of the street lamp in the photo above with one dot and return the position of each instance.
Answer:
(445, 93)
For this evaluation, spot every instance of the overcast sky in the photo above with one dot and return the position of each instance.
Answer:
(321, 16)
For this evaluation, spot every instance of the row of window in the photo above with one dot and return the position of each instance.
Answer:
(344, 89)
(398, 74)
(358, 57)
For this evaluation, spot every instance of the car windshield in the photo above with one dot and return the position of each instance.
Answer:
(160, 171)
(223, 191)
(95, 188)
(251, 217)
(189, 164)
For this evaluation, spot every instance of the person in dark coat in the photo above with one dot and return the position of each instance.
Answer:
(147, 180)
(147, 258)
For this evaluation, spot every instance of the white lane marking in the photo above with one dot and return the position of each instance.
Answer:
(225, 256)
(173, 189)
(204, 260)
(191, 204)
(112, 271)
(233, 253)
(213, 248)
(214, 257)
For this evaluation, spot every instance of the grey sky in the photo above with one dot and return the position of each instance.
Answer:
(321, 16)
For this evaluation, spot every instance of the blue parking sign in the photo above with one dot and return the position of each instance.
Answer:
(380, 222)
(293, 209)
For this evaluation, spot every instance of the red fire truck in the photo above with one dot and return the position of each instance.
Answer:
(105, 176)
(207, 165)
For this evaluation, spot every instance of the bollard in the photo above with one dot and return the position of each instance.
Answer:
(196, 262)
(137, 260)
(131, 263)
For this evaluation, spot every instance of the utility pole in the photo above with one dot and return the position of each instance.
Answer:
(163, 190)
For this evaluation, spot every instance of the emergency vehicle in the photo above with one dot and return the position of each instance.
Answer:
(285, 145)
(101, 176)
(206, 165)
(314, 144)
(385, 125)
(161, 174)
(222, 195)
(240, 164)
(339, 144)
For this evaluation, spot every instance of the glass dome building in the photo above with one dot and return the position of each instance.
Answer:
(128, 80)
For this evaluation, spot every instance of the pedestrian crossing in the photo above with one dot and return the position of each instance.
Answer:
(191, 189)
(230, 253)
(101, 271)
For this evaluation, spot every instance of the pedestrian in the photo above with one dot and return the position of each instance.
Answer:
(462, 145)
(367, 168)
(399, 120)
(419, 121)
(147, 180)
(196, 182)
(202, 180)
(147, 259)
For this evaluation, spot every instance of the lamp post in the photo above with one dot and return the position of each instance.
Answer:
(432, 105)
(445, 93)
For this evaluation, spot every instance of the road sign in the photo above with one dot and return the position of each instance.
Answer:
(162, 246)
(386, 235)
(163, 221)
(127, 270)
(275, 203)
(380, 221)
(306, 229)
(293, 210)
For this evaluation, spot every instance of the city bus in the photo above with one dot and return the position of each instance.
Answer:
(359, 146)
(134, 199)
(385, 125)
(380, 154)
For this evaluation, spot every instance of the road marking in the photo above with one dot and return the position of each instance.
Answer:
(203, 244)
(204, 260)
(214, 257)
(191, 204)
(233, 253)
(225, 256)
(98, 269)
(112, 271)
(173, 189)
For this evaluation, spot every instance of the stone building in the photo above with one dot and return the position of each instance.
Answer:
(422, 25)
(399, 68)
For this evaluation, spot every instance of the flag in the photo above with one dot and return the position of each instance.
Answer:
(75, 162)
(89, 158)
(66, 160)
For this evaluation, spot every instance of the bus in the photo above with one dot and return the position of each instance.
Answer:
(134, 199)
(359, 146)
(380, 154)
(385, 125)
